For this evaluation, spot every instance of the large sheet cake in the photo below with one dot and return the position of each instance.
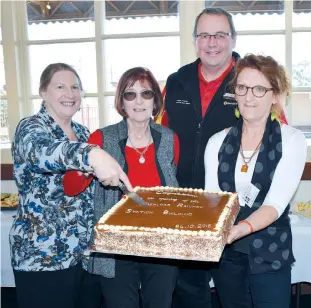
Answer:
(187, 224)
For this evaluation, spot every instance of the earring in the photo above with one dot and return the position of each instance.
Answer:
(273, 115)
(237, 112)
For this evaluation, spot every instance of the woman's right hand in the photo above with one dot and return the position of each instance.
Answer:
(107, 169)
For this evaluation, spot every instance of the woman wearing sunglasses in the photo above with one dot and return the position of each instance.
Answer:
(148, 153)
(262, 160)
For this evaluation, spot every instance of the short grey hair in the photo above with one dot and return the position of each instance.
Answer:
(215, 11)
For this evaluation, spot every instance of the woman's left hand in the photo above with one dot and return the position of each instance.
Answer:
(237, 232)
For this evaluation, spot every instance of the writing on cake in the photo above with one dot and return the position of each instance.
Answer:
(176, 194)
(128, 211)
(166, 212)
(193, 226)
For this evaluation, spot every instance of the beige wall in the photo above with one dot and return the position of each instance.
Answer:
(301, 111)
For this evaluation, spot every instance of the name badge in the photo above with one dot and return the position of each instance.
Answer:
(250, 195)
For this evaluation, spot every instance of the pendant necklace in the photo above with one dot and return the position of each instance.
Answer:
(141, 154)
(247, 160)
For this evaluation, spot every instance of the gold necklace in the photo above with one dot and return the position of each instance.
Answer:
(141, 154)
(247, 160)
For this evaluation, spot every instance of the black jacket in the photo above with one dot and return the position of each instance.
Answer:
(184, 111)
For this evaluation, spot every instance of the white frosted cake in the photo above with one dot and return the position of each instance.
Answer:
(179, 223)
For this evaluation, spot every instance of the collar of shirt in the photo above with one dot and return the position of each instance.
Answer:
(209, 88)
(219, 79)
(80, 132)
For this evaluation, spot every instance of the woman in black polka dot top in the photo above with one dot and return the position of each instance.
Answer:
(262, 159)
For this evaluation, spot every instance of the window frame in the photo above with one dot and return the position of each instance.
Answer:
(16, 52)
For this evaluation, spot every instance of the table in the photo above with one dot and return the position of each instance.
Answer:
(301, 270)
(301, 229)
(7, 278)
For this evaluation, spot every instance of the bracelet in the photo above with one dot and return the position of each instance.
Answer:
(248, 223)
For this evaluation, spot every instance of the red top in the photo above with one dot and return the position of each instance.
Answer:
(209, 88)
(145, 174)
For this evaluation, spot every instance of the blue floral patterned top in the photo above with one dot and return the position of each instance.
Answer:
(51, 230)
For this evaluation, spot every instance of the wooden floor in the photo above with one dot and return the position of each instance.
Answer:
(8, 299)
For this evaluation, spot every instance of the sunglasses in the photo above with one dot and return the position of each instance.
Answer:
(131, 95)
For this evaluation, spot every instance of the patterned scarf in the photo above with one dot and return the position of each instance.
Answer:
(270, 153)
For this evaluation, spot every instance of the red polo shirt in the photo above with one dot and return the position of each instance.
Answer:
(209, 88)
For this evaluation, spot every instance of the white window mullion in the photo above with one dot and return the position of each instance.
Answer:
(139, 35)
(11, 66)
(301, 29)
(288, 10)
(188, 11)
(61, 41)
(99, 14)
(301, 89)
(23, 56)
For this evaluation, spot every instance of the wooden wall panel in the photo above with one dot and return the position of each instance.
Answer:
(6, 172)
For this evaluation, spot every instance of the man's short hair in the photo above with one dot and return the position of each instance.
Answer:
(215, 11)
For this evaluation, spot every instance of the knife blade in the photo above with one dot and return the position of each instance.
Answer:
(133, 195)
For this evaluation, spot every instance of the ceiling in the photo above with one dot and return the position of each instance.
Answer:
(49, 11)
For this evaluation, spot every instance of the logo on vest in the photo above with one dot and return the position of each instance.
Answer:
(182, 102)
(229, 99)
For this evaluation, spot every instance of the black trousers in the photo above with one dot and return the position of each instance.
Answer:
(155, 278)
(48, 289)
(192, 287)
(238, 288)
(90, 295)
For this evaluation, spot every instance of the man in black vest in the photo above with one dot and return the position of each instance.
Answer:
(198, 105)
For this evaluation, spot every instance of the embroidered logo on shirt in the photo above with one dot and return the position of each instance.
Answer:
(229, 103)
(183, 102)
(229, 99)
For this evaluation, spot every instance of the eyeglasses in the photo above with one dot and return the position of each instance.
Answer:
(219, 36)
(131, 95)
(258, 91)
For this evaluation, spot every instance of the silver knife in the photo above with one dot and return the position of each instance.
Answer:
(131, 194)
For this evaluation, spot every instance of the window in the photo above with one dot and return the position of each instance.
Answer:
(141, 24)
(64, 32)
(301, 59)
(52, 20)
(81, 56)
(268, 45)
(112, 114)
(101, 39)
(87, 115)
(4, 121)
(259, 21)
(301, 74)
(2, 74)
(261, 30)
(158, 54)
(142, 33)
(151, 41)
